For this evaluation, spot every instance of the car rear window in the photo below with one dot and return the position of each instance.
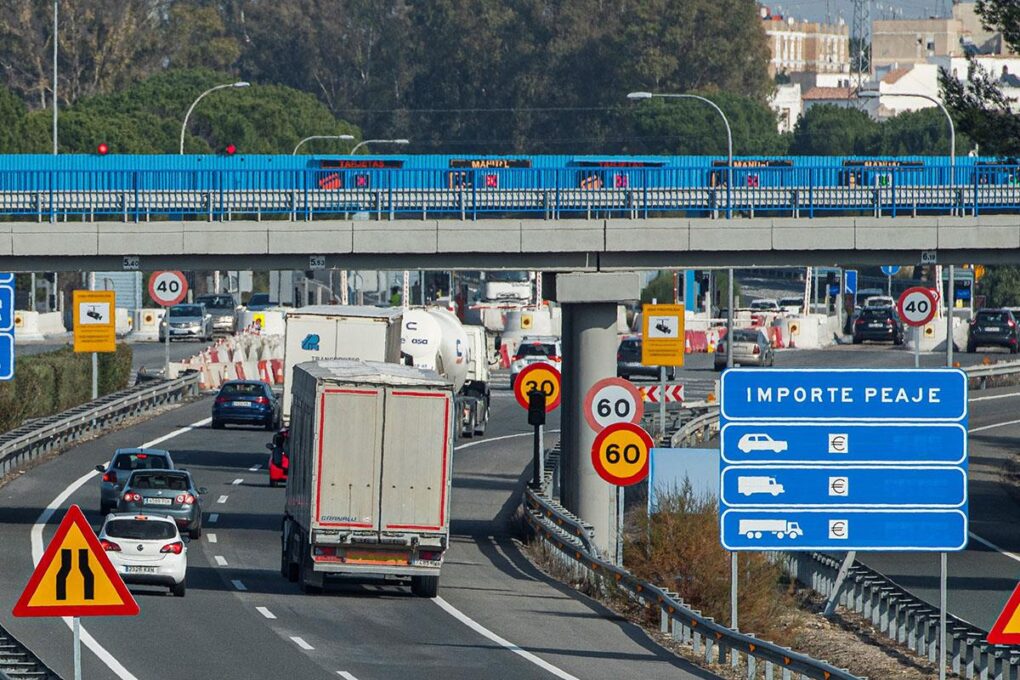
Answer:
(140, 529)
(154, 481)
(630, 346)
(139, 461)
(185, 310)
(536, 349)
(761, 304)
(876, 313)
(242, 390)
(992, 317)
(218, 301)
(745, 336)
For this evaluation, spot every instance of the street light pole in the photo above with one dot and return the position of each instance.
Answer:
(635, 96)
(191, 108)
(871, 94)
(55, 34)
(377, 141)
(342, 138)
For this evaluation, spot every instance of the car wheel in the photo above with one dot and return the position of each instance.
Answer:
(270, 425)
(971, 348)
(178, 589)
(217, 424)
(425, 586)
(857, 340)
(196, 533)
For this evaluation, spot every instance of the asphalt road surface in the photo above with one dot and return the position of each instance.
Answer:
(497, 616)
(148, 355)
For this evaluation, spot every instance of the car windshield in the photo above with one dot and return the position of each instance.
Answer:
(139, 461)
(169, 482)
(242, 390)
(536, 349)
(745, 336)
(630, 346)
(140, 529)
(763, 304)
(217, 301)
(506, 277)
(992, 317)
(878, 302)
(185, 310)
(791, 302)
(876, 313)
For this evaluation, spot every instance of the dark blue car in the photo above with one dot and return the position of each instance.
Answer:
(246, 402)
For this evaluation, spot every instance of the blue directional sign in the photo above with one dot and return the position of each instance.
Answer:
(847, 444)
(850, 486)
(891, 269)
(848, 394)
(853, 459)
(850, 282)
(844, 529)
(6, 326)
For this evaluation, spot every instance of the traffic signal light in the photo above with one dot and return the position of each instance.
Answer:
(102, 149)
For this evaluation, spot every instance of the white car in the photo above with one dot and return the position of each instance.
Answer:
(761, 442)
(879, 301)
(535, 349)
(765, 305)
(146, 550)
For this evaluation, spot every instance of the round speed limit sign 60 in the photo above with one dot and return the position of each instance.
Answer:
(541, 377)
(611, 401)
(167, 288)
(620, 454)
(917, 305)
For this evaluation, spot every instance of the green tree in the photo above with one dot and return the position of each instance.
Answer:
(1001, 285)
(832, 130)
(1002, 16)
(659, 289)
(201, 37)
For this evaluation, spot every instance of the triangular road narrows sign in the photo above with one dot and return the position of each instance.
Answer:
(75, 577)
(1006, 630)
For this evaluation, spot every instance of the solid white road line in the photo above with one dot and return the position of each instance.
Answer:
(238, 585)
(221, 561)
(214, 517)
(485, 632)
(237, 481)
(222, 499)
(987, 543)
(345, 675)
(255, 468)
(37, 549)
(995, 396)
(993, 426)
(301, 643)
(265, 612)
(211, 538)
(497, 439)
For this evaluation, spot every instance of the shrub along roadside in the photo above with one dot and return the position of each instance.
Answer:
(45, 384)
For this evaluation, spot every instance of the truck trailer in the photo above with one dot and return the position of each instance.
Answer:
(323, 332)
(368, 490)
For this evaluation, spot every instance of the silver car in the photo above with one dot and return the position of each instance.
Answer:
(222, 310)
(122, 464)
(750, 348)
(190, 321)
(164, 492)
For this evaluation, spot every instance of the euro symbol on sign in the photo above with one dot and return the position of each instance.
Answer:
(839, 529)
(839, 486)
(839, 443)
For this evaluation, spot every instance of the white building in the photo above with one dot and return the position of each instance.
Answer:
(788, 105)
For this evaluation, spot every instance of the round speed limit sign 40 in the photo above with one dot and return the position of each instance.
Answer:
(620, 454)
(611, 401)
(917, 306)
(167, 288)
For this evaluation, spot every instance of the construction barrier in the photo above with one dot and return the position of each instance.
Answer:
(52, 323)
(147, 322)
(125, 324)
(26, 327)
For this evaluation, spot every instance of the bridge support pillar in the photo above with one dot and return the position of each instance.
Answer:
(590, 342)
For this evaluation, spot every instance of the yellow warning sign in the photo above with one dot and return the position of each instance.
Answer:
(95, 328)
(75, 577)
(662, 335)
(259, 319)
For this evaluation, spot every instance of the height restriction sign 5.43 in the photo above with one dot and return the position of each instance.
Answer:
(541, 377)
(620, 454)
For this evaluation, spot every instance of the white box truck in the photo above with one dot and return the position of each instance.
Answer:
(368, 488)
(338, 332)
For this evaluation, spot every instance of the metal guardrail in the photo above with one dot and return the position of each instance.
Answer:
(42, 435)
(710, 640)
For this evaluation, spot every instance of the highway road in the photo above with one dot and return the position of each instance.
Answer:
(148, 355)
(497, 616)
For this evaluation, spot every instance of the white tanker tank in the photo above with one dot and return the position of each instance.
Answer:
(435, 340)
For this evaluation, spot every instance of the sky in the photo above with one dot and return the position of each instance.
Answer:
(816, 10)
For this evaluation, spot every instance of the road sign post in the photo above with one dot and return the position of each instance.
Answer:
(890, 271)
(917, 306)
(167, 289)
(662, 343)
(620, 455)
(95, 326)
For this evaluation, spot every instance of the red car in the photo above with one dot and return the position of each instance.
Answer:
(279, 459)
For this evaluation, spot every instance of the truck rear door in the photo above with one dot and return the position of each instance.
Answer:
(349, 459)
(416, 460)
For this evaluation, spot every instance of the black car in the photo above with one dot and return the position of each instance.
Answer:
(246, 402)
(993, 327)
(878, 323)
(628, 361)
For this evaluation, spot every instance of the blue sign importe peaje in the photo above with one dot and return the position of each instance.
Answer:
(853, 459)
(6, 326)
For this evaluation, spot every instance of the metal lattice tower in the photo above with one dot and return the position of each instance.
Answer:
(860, 29)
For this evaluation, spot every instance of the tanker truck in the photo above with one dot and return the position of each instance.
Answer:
(434, 339)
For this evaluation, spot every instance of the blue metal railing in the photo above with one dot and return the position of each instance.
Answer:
(551, 192)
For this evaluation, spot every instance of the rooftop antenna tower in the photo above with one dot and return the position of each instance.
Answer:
(860, 64)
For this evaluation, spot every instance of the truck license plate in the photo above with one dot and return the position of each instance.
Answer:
(375, 557)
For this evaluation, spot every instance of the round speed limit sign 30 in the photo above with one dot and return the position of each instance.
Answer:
(541, 377)
(620, 454)
(917, 306)
(167, 288)
(611, 401)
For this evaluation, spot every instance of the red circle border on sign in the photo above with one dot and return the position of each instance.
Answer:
(927, 292)
(619, 382)
(184, 288)
(521, 397)
(596, 461)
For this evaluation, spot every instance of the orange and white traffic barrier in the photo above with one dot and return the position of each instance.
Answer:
(277, 366)
(266, 372)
